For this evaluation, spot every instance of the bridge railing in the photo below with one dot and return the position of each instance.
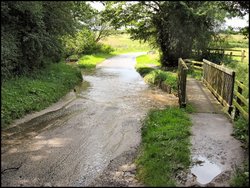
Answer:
(240, 101)
(220, 81)
(182, 81)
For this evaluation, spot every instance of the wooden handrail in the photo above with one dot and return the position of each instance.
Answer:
(224, 69)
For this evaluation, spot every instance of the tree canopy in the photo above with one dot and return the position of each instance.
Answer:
(175, 27)
(35, 32)
(31, 32)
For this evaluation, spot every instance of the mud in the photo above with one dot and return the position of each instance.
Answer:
(86, 135)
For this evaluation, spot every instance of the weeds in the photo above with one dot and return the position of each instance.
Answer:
(241, 176)
(241, 129)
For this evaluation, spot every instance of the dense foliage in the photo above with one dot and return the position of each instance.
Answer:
(29, 34)
(37, 32)
(175, 27)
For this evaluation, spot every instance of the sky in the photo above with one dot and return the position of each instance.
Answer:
(233, 22)
(237, 22)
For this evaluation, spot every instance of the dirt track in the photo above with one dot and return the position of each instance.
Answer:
(72, 142)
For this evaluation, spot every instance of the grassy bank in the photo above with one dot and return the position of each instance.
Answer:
(165, 147)
(164, 150)
(148, 66)
(37, 91)
(90, 61)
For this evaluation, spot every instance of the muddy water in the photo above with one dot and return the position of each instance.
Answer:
(71, 144)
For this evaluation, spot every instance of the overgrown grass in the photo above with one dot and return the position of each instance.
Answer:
(155, 77)
(37, 91)
(241, 130)
(241, 176)
(165, 147)
(146, 65)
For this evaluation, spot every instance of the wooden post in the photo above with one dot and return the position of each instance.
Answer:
(183, 88)
(230, 109)
(182, 77)
(242, 55)
(231, 55)
(237, 112)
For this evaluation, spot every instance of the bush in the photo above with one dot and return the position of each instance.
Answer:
(29, 34)
(105, 49)
(155, 77)
(83, 42)
(9, 53)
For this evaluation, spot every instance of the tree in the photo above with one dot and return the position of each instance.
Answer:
(176, 27)
(31, 33)
(237, 8)
(101, 27)
(88, 17)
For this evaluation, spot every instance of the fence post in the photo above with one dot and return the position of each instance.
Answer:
(182, 79)
(230, 109)
(237, 112)
(242, 55)
(231, 55)
(183, 104)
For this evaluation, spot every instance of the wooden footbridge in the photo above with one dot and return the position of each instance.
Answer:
(231, 93)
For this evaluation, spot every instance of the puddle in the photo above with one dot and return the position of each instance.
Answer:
(205, 170)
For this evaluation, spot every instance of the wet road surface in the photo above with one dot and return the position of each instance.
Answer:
(72, 144)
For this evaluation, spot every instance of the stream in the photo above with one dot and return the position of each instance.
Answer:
(74, 140)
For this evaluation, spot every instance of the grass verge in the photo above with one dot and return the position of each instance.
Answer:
(90, 61)
(241, 130)
(37, 91)
(146, 65)
(165, 146)
(241, 176)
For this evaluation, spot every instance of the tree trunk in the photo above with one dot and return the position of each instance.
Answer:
(167, 59)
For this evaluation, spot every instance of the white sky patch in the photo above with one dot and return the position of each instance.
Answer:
(97, 5)
(237, 22)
